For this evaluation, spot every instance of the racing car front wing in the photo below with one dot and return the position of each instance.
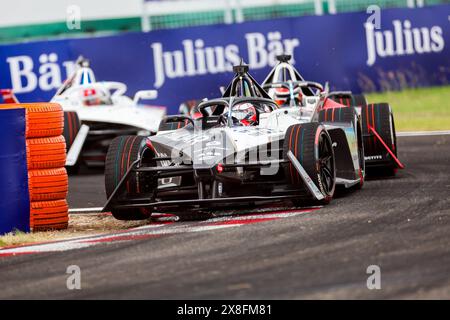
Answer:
(118, 200)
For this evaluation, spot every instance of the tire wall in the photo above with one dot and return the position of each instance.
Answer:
(34, 182)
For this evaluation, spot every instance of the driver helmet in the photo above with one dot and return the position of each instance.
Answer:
(246, 114)
(282, 96)
(94, 96)
(190, 108)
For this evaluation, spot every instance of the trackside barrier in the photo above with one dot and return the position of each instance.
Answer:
(409, 48)
(33, 180)
(14, 199)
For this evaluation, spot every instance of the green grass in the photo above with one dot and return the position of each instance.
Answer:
(418, 109)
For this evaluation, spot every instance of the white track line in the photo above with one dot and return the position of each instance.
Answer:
(85, 210)
(145, 232)
(422, 133)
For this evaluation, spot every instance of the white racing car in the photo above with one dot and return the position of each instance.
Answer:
(285, 85)
(97, 112)
(242, 149)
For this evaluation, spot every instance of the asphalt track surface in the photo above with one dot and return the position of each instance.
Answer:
(400, 224)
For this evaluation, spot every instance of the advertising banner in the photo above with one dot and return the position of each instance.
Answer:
(389, 50)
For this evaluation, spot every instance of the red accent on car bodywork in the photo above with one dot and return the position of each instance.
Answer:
(8, 96)
(399, 164)
(330, 103)
(197, 115)
(89, 92)
(150, 145)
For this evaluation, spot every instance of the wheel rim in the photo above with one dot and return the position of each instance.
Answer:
(326, 163)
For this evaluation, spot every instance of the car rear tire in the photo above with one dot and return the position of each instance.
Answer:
(380, 117)
(359, 100)
(190, 107)
(338, 115)
(353, 100)
(122, 152)
(312, 146)
(72, 125)
(169, 126)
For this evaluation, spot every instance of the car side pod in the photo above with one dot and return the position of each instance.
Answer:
(305, 177)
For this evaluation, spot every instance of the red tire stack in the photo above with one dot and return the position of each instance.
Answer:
(46, 156)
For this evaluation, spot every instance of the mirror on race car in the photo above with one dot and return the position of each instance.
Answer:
(116, 89)
(145, 95)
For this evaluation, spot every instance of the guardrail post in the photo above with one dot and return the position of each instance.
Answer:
(318, 7)
(228, 13)
(239, 12)
(145, 18)
(332, 6)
